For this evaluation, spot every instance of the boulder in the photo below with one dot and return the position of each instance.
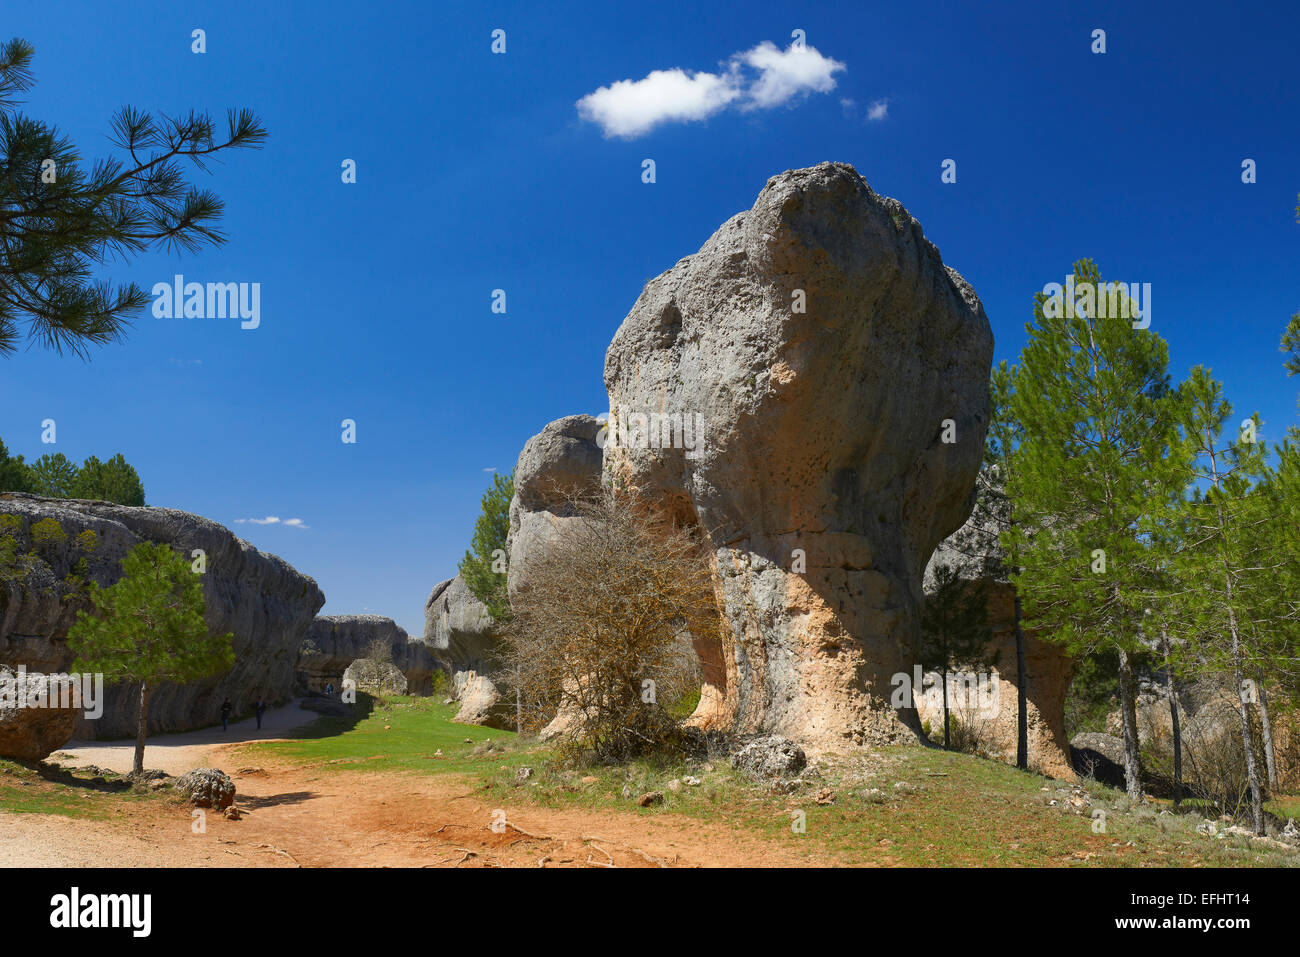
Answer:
(804, 369)
(375, 677)
(263, 601)
(480, 702)
(458, 628)
(333, 642)
(974, 552)
(207, 787)
(561, 461)
(32, 725)
(769, 757)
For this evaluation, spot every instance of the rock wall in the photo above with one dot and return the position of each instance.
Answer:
(333, 642)
(815, 344)
(459, 629)
(561, 460)
(260, 598)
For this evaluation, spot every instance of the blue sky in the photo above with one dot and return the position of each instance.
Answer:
(476, 171)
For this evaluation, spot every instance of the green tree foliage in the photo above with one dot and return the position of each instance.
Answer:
(61, 217)
(53, 475)
(484, 566)
(955, 630)
(1221, 567)
(111, 481)
(148, 628)
(15, 475)
(1001, 440)
(1096, 460)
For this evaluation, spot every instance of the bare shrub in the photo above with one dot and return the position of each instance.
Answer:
(601, 640)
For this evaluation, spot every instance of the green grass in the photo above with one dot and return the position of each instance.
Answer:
(401, 734)
(44, 789)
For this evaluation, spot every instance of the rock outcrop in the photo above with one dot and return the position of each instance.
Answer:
(480, 701)
(333, 642)
(375, 677)
(974, 553)
(207, 787)
(32, 723)
(808, 366)
(459, 629)
(561, 461)
(263, 601)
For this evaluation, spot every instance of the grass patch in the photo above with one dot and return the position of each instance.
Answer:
(401, 733)
(49, 789)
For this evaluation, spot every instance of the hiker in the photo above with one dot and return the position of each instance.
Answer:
(261, 707)
(329, 690)
(226, 708)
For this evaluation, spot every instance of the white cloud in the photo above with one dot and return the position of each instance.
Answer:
(273, 520)
(878, 110)
(785, 74)
(490, 469)
(631, 108)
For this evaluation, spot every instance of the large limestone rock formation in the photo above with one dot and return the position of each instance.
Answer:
(260, 598)
(974, 553)
(458, 628)
(823, 344)
(333, 642)
(562, 460)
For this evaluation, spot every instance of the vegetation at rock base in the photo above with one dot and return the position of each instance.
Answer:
(148, 628)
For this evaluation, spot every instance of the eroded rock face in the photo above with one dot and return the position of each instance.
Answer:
(480, 701)
(375, 677)
(333, 642)
(458, 628)
(32, 726)
(263, 601)
(820, 475)
(563, 458)
(974, 553)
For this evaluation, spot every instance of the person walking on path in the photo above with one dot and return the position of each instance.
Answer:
(261, 707)
(226, 709)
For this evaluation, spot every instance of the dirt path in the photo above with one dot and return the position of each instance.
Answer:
(178, 753)
(303, 815)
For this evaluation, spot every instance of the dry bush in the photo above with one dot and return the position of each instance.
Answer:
(1214, 759)
(601, 639)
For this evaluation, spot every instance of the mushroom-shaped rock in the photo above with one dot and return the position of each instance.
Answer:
(814, 387)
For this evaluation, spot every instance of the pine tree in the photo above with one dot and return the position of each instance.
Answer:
(53, 475)
(149, 628)
(484, 566)
(15, 474)
(1098, 417)
(112, 481)
(955, 630)
(1224, 560)
(1003, 436)
(61, 218)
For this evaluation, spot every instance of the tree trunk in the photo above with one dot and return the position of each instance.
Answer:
(1247, 738)
(944, 676)
(1022, 695)
(1128, 715)
(1173, 719)
(142, 730)
(1270, 756)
